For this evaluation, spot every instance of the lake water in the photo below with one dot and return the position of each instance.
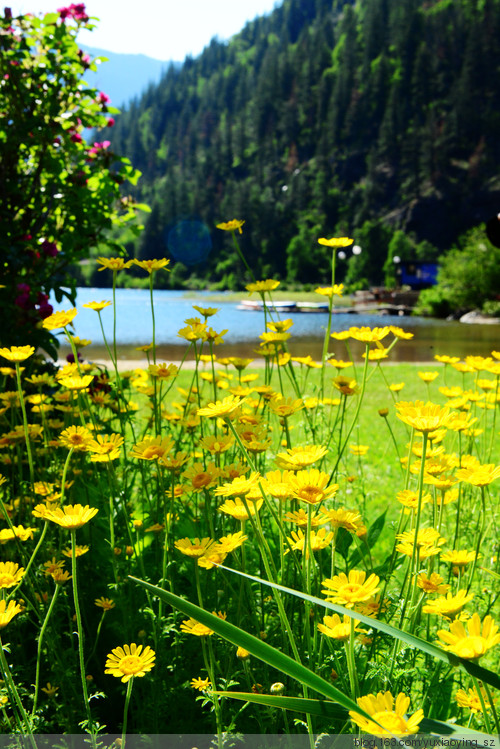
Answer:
(172, 308)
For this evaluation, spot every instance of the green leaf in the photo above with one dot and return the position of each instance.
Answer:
(298, 704)
(256, 647)
(414, 642)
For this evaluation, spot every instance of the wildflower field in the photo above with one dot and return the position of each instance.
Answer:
(307, 547)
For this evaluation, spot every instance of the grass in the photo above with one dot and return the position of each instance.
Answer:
(164, 471)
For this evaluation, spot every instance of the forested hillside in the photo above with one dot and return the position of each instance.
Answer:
(376, 118)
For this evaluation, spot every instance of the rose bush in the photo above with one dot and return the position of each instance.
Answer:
(59, 195)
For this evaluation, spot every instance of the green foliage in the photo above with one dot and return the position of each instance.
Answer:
(349, 111)
(59, 196)
(469, 277)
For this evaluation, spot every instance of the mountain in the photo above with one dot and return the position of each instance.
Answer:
(124, 77)
(376, 119)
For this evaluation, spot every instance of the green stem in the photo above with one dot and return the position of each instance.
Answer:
(25, 425)
(39, 648)
(90, 725)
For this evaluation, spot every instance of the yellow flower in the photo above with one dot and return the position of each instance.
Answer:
(237, 509)
(233, 225)
(296, 458)
(72, 516)
(480, 475)
(76, 382)
(473, 642)
(220, 408)
(432, 584)
(105, 447)
(59, 319)
(238, 487)
(368, 335)
(447, 359)
(449, 605)
(113, 263)
(76, 438)
(336, 242)
(351, 590)
(342, 518)
(458, 557)
(130, 661)
(428, 377)
(232, 541)
(345, 385)
(152, 448)
(105, 603)
(285, 407)
(163, 371)
(400, 333)
(359, 449)
(79, 551)
(377, 354)
(201, 477)
(409, 498)
(196, 548)
(423, 418)
(10, 574)
(317, 540)
(97, 306)
(428, 542)
(203, 685)
(390, 714)
(337, 628)
(217, 445)
(330, 291)
(214, 557)
(206, 311)
(471, 699)
(8, 612)
(152, 265)
(277, 484)
(396, 387)
(17, 353)
(17, 531)
(311, 486)
(260, 286)
(192, 627)
(50, 690)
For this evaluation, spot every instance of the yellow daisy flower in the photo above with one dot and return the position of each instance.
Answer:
(351, 590)
(233, 225)
(389, 713)
(473, 642)
(17, 353)
(337, 628)
(194, 549)
(130, 661)
(72, 517)
(59, 319)
(10, 574)
(97, 306)
(8, 612)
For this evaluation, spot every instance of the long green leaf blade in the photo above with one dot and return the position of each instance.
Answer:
(297, 704)
(256, 647)
(414, 642)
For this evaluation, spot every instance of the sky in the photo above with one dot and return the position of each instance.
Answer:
(164, 29)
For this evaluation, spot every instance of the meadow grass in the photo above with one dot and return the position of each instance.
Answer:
(303, 547)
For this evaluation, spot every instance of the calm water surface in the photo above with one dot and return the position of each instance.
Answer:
(172, 308)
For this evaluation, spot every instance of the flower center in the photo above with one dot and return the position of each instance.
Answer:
(201, 479)
(311, 494)
(131, 664)
(350, 591)
(150, 453)
(392, 722)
